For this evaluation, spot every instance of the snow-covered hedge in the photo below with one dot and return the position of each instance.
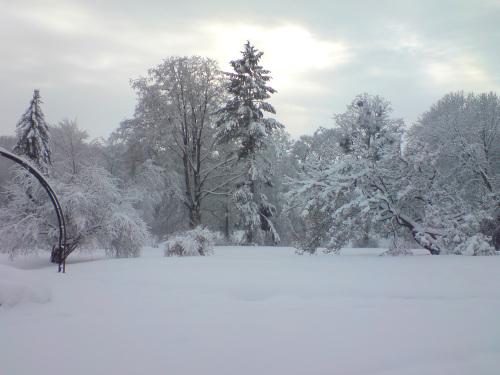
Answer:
(198, 241)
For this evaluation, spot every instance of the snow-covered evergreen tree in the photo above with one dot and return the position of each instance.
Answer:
(242, 122)
(33, 135)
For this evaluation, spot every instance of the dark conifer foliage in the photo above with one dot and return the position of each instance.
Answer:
(33, 135)
(242, 122)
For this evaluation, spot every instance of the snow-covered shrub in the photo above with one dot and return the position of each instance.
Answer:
(478, 244)
(129, 234)
(97, 213)
(465, 237)
(198, 241)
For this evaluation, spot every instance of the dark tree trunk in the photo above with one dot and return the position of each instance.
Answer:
(194, 217)
(226, 221)
(433, 248)
(496, 238)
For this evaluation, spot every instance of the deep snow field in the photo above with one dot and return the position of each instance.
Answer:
(251, 310)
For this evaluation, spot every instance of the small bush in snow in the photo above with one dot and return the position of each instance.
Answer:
(128, 234)
(198, 241)
(475, 245)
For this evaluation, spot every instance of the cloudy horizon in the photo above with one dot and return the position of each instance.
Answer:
(82, 54)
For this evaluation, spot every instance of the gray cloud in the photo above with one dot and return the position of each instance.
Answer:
(81, 54)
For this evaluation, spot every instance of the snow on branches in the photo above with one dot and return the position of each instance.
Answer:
(33, 135)
(194, 242)
(377, 182)
(97, 214)
(242, 123)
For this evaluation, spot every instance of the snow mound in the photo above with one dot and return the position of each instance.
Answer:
(16, 287)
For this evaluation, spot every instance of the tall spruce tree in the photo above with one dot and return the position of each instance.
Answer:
(242, 122)
(33, 135)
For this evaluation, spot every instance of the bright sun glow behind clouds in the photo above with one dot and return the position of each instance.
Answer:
(290, 51)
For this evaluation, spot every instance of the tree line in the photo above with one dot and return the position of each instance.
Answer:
(205, 147)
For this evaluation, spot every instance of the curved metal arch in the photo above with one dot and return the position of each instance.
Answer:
(60, 253)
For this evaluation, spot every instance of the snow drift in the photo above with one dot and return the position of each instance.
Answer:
(18, 286)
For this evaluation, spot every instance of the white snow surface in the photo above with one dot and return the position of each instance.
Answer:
(252, 310)
(16, 286)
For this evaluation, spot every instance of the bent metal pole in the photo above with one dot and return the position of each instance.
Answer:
(60, 253)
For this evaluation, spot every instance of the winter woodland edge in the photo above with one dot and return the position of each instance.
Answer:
(204, 148)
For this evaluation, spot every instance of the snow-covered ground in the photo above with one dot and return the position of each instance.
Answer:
(252, 311)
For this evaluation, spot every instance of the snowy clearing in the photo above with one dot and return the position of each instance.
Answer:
(252, 311)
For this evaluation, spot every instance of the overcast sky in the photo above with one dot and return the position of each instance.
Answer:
(81, 54)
